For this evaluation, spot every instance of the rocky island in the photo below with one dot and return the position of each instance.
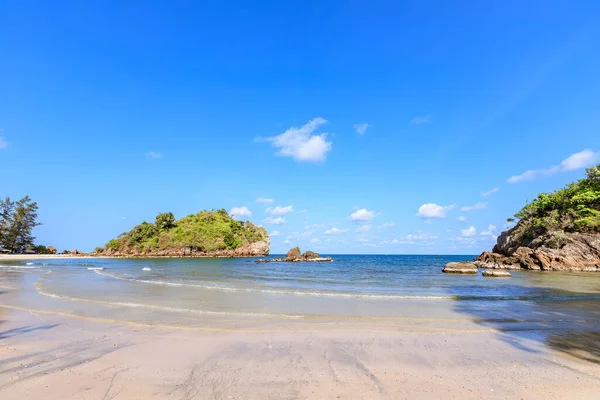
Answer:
(558, 231)
(295, 255)
(205, 234)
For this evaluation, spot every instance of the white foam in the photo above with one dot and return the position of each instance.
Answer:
(285, 292)
(95, 268)
(146, 269)
(17, 267)
(29, 263)
(161, 308)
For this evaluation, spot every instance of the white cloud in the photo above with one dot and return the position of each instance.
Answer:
(287, 241)
(264, 200)
(432, 210)
(153, 154)
(301, 144)
(314, 240)
(470, 231)
(490, 192)
(302, 211)
(361, 128)
(575, 161)
(364, 228)
(387, 225)
(335, 231)
(420, 238)
(490, 231)
(362, 215)
(274, 234)
(274, 221)
(123, 217)
(462, 218)
(279, 210)
(3, 143)
(240, 212)
(477, 206)
(300, 236)
(421, 120)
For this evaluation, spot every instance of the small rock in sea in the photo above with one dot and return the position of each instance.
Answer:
(496, 273)
(463, 267)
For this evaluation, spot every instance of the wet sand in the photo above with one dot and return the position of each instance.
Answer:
(59, 348)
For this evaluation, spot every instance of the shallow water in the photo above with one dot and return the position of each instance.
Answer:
(357, 286)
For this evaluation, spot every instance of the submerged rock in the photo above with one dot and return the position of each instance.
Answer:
(496, 273)
(463, 267)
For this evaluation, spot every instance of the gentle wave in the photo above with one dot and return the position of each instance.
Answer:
(18, 267)
(146, 269)
(282, 292)
(96, 268)
(161, 308)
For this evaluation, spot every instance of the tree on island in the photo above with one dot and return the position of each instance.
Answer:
(17, 220)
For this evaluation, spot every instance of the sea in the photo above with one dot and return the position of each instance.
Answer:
(184, 291)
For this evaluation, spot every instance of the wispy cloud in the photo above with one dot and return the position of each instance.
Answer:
(264, 200)
(432, 210)
(476, 206)
(362, 215)
(361, 128)
(387, 225)
(153, 154)
(490, 192)
(490, 231)
(419, 238)
(461, 218)
(580, 160)
(279, 210)
(302, 144)
(469, 232)
(363, 228)
(335, 231)
(274, 221)
(422, 120)
(240, 212)
(274, 234)
(3, 143)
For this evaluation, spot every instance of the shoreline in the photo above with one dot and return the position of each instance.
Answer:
(18, 257)
(76, 333)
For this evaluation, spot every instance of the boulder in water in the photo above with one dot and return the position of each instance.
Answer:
(496, 273)
(463, 267)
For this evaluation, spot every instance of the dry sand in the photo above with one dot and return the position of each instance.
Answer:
(57, 355)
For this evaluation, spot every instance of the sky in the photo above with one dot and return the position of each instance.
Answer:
(381, 127)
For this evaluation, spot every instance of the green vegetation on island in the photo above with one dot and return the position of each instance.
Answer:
(558, 231)
(574, 208)
(205, 233)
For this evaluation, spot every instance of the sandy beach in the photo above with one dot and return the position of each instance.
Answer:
(57, 347)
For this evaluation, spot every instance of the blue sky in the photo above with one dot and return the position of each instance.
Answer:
(373, 127)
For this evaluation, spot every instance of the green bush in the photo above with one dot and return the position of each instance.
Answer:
(576, 207)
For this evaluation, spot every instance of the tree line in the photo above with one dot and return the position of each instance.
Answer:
(17, 220)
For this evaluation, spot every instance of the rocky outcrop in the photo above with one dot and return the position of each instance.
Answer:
(550, 251)
(52, 249)
(496, 273)
(295, 255)
(463, 267)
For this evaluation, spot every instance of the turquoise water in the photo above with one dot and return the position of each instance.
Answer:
(350, 286)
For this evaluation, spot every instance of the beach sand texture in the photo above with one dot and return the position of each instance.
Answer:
(56, 348)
